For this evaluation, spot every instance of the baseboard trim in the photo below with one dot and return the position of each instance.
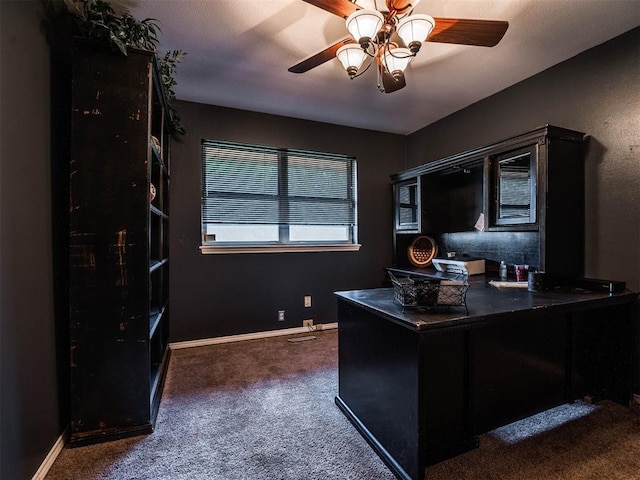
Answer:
(50, 458)
(251, 336)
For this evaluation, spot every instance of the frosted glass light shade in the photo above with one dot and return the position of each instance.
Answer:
(363, 25)
(396, 60)
(414, 29)
(351, 56)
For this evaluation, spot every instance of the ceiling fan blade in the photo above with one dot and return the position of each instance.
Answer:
(401, 6)
(342, 8)
(482, 33)
(319, 58)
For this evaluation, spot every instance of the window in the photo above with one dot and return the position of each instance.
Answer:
(256, 198)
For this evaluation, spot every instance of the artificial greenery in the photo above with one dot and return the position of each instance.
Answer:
(97, 19)
(168, 66)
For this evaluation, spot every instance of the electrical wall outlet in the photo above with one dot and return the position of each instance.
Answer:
(307, 300)
(281, 315)
(307, 323)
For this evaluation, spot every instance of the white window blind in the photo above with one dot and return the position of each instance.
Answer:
(263, 195)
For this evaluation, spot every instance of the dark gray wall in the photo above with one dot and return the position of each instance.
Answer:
(28, 400)
(596, 92)
(215, 295)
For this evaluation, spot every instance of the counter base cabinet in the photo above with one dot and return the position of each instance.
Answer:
(111, 144)
(517, 368)
(377, 384)
(421, 394)
(602, 356)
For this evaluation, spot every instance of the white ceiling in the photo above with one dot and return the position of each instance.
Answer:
(239, 52)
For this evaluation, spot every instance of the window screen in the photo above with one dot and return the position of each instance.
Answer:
(263, 195)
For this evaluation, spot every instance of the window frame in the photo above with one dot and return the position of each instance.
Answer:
(283, 244)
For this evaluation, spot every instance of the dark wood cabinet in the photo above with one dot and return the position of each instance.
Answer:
(111, 186)
(527, 192)
(421, 385)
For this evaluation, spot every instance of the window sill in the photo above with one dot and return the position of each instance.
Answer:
(219, 249)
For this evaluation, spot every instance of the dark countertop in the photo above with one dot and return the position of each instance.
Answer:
(484, 301)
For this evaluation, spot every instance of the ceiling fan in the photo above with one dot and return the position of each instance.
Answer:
(389, 35)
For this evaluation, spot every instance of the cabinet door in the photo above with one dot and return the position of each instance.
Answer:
(512, 180)
(519, 367)
(407, 205)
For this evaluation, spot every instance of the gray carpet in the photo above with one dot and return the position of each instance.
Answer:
(264, 409)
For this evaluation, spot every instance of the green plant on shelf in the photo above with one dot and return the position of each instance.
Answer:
(113, 24)
(97, 19)
(168, 66)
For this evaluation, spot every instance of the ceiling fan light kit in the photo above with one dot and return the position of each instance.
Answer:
(372, 31)
(383, 34)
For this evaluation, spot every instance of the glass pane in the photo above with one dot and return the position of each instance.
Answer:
(515, 187)
(240, 210)
(407, 194)
(242, 233)
(407, 205)
(319, 178)
(407, 216)
(318, 233)
(315, 212)
(232, 171)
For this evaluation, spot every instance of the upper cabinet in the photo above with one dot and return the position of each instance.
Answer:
(520, 200)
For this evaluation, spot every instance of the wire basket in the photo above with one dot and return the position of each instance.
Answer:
(428, 292)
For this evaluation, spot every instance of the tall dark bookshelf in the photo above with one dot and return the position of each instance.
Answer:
(111, 143)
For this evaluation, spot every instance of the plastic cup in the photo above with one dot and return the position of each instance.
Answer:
(521, 272)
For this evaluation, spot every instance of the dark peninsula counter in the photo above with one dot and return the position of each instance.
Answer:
(420, 385)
